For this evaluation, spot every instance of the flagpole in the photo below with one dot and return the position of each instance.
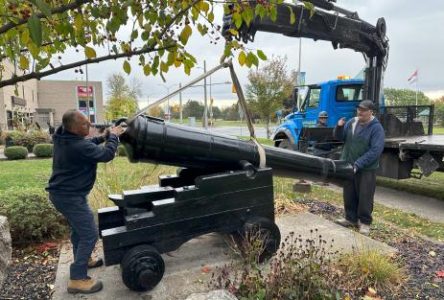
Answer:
(416, 84)
(416, 94)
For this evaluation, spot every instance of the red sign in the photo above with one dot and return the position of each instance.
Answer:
(83, 92)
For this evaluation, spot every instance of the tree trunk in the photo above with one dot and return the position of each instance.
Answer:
(267, 126)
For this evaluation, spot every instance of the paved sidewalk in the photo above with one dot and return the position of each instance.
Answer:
(183, 268)
(423, 206)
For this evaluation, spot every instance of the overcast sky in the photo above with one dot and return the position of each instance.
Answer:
(415, 30)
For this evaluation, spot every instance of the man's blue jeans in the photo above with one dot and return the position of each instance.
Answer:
(84, 233)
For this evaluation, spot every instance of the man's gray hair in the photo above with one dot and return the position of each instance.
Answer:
(69, 118)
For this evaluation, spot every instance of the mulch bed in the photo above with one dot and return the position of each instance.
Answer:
(423, 259)
(32, 272)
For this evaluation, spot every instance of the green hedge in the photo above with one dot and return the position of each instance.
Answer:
(27, 139)
(43, 150)
(31, 215)
(16, 152)
(121, 150)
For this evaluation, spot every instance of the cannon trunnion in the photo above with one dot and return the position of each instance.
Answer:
(160, 218)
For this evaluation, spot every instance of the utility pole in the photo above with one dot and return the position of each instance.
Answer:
(180, 103)
(87, 94)
(298, 79)
(205, 116)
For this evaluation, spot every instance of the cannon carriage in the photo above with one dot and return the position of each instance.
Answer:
(220, 187)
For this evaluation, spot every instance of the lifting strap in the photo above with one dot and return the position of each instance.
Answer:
(243, 104)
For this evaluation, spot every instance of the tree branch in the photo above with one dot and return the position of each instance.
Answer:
(25, 50)
(39, 75)
(57, 10)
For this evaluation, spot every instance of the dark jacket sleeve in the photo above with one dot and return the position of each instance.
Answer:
(98, 139)
(376, 148)
(340, 132)
(95, 153)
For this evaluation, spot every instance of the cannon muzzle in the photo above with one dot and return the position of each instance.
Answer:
(149, 139)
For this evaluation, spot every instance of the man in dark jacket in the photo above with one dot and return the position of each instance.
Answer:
(363, 138)
(73, 174)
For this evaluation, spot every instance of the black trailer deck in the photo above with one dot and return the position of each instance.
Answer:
(433, 143)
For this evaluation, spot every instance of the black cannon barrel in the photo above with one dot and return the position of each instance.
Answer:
(149, 139)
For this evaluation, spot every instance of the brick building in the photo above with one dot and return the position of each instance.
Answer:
(45, 101)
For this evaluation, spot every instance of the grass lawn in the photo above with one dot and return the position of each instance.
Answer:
(432, 186)
(24, 173)
(120, 175)
(438, 130)
(407, 221)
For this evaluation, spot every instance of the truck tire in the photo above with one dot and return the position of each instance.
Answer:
(284, 144)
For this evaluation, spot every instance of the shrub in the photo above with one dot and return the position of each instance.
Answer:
(302, 269)
(43, 150)
(121, 150)
(16, 152)
(31, 215)
(27, 139)
(371, 268)
(2, 137)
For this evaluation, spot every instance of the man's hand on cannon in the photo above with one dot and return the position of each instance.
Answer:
(118, 130)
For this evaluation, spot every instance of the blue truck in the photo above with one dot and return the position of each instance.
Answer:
(409, 139)
(339, 98)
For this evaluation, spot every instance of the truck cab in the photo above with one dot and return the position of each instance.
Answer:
(339, 98)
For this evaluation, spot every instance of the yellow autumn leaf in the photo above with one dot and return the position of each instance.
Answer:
(90, 52)
(24, 62)
(146, 70)
(242, 58)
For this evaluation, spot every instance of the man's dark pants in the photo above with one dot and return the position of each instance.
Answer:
(83, 230)
(358, 197)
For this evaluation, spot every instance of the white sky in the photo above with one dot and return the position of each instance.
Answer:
(415, 29)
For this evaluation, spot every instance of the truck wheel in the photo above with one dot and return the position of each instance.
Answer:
(284, 144)
(263, 229)
(142, 268)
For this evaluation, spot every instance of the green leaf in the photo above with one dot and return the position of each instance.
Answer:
(187, 69)
(35, 30)
(261, 55)
(24, 37)
(211, 17)
(134, 34)
(78, 21)
(90, 52)
(252, 58)
(23, 62)
(237, 20)
(242, 58)
(127, 67)
(204, 6)
(164, 67)
(34, 50)
(147, 70)
(44, 8)
(185, 34)
(273, 13)
(156, 62)
(145, 35)
(292, 15)
(310, 7)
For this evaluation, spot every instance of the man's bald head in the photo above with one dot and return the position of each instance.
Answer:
(76, 122)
